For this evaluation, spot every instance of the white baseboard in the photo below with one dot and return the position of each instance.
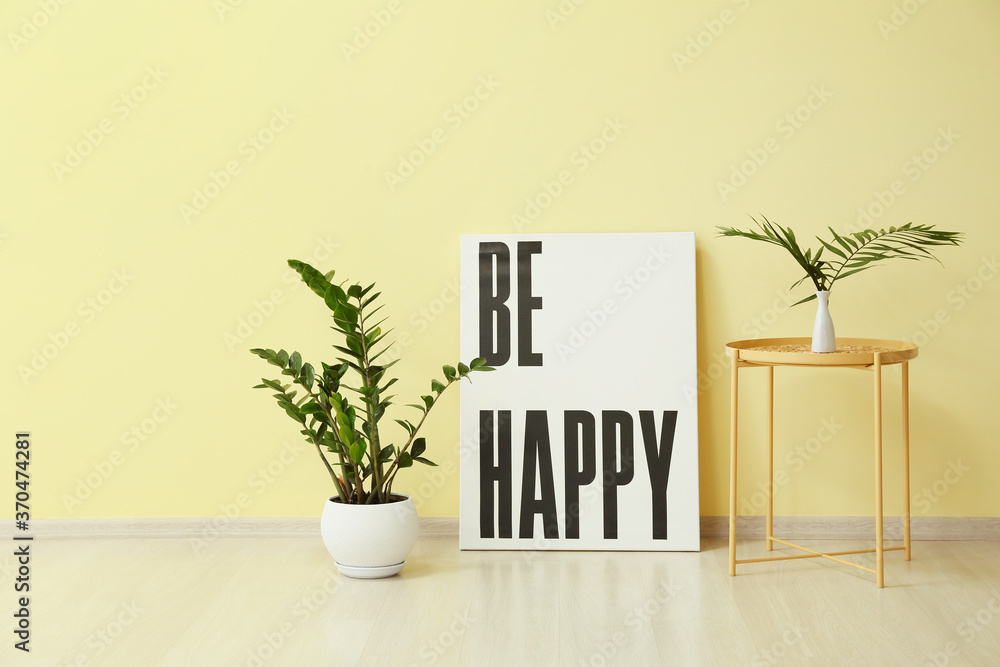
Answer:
(855, 527)
(749, 527)
(179, 527)
(197, 527)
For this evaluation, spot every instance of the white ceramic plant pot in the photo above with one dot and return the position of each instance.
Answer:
(824, 339)
(369, 541)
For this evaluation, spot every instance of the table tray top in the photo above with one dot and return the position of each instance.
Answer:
(797, 352)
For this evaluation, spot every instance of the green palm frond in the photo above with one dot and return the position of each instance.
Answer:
(850, 253)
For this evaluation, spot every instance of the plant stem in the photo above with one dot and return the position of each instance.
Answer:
(329, 468)
(391, 473)
(319, 448)
(357, 471)
(376, 450)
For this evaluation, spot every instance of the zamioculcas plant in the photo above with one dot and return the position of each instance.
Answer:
(341, 405)
(850, 253)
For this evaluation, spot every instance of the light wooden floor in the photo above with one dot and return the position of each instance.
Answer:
(279, 601)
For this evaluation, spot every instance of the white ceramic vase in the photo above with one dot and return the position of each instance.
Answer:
(824, 339)
(369, 541)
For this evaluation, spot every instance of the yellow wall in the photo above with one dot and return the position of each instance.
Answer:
(135, 298)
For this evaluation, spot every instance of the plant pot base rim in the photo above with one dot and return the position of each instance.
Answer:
(362, 572)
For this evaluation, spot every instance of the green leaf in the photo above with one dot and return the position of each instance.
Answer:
(346, 316)
(344, 350)
(463, 370)
(357, 452)
(426, 462)
(371, 299)
(832, 248)
(354, 344)
(808, 298)
(847, 244)
(332, 297)
(346, 436)
(853, 271)
(344, 419)
(273, 384)
(268, 355)
(373, 343)
(405, 460)
(798, 282)
(428, 401)
(449, 373)
(419, 446)
(437, 386)
(310, 276)
(311, 408)
(308, 375)
(295, 362)
(282, 358)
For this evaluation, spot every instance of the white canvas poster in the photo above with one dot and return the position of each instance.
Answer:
(586, 436)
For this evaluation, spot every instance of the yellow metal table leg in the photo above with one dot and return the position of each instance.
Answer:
(734, 414)
(878, 472)
(770, 459)
(906, 459)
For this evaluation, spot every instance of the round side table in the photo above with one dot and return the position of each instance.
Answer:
(862, 353)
